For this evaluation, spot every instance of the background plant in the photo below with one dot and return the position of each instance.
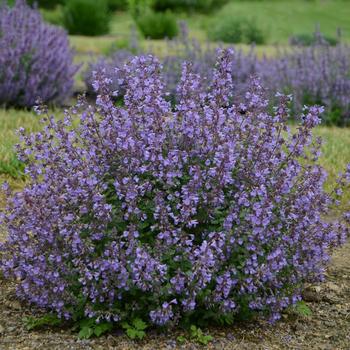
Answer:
(35, 58)
(86, 17)
(307, 39)
(233, 29)
(319, 74)
(117, 5)
(186, 5)
(179, 50)
(157, 25)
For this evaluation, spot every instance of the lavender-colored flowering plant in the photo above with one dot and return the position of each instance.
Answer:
(35, 58)
(207, 209)
(319, 74)
(178, 51)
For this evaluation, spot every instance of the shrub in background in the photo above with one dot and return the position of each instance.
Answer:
(117, 5)
(157, 25)
(227, 29)
(253, 34)
(86, 17)
(207, 211)
(311, 39)
(236, 30)
(54, 16)
(49, 4)
(319, 74)
(139, 7)
(188, 5)
(35, 58)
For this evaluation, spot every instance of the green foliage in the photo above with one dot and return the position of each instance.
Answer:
(12, 167)
(302, 309)
(89, 328)
(198, 336)
(135, 329)
(117, 5)
(195, 335)
(307, 39)
(48, 4)
(43, 321)
(181, 339)
(230, 29)
(139, 7)
(157, 25)
(86, 17)
(227, 30)
(53, 16)
(282, 19)
(186, 5)
(253, 34)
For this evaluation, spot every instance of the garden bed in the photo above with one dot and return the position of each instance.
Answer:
(327, 327)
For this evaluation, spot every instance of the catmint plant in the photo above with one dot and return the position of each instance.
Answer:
(35, 58)
(178, 51)
(162, 213)
(318, 74)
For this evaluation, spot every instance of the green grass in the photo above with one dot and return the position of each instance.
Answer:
(281, 19)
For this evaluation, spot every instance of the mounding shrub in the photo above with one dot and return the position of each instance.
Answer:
(228, 30)
(157, 25)
(206, 211)
(234, 30)
(117, 5)
(86, 17)
(35, 58)
(49, 4)
(188, 5)
(253, 34)
(307, 39)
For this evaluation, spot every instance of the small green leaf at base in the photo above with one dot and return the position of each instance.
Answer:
(302, 309)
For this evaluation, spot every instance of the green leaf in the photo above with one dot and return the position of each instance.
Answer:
(181, 339)
(37, 322)
(102, 328)
(302, 309)
(86, 333)
(125, 325)
(131, 333)
(205, 339)
(139, 324)
(87, 322)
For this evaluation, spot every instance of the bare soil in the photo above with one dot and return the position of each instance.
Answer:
(328, 328)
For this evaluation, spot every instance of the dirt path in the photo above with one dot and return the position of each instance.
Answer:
(327, 328)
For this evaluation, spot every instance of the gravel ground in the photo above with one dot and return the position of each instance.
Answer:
(328, 328)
